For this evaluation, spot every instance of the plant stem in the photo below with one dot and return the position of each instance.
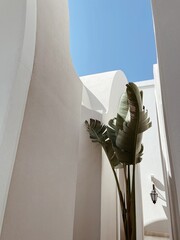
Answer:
(133, 237)
(123, 209)
(129, 203)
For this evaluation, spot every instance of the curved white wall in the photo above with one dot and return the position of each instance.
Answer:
(17, 43)
(12, 25)
(41, 198)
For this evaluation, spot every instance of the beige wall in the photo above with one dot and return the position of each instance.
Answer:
(41, 199)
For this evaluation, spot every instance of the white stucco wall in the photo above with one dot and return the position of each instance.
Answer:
(88, 190)
(167, 31)
(41, 199)
(17, 43)
(151, 170)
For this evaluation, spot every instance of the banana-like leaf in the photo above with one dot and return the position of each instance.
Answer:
(123, 112)
(126, 134)
(98, 133)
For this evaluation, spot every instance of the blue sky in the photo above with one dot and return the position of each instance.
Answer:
(111, 35)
